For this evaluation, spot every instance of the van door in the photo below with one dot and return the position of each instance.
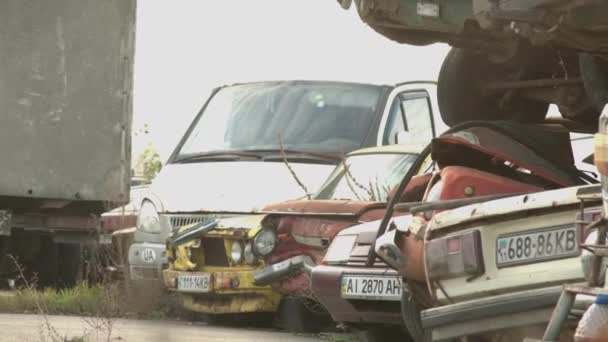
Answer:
(410, 111)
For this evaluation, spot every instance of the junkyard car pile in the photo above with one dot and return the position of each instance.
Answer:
(467, 232)
(473, 241)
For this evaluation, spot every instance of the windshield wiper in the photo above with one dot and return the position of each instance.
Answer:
(218, 155)
(296, 154)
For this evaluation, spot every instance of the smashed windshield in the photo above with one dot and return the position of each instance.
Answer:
(308, 116)
(367, 177)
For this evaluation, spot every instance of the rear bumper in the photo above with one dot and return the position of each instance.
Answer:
(511, 310)
(230, 291)
(326, 284)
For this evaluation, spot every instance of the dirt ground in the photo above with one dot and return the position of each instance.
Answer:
(23, 327)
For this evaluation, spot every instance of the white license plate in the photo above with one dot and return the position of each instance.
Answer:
(535, 246)
(193, 283)
(371, 287)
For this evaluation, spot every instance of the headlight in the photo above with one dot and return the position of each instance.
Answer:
(587, 260)
(248, 253)
(148, 220)
(264, 242)
(236, 252)
(340, 249)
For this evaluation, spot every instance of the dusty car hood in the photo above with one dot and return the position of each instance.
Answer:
(237, 186)
(521, 204)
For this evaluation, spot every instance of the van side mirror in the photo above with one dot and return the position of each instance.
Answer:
(403, 137)
(345, 3)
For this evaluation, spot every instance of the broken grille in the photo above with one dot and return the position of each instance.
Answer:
(184, 220)
(358, 257)
(214, 252)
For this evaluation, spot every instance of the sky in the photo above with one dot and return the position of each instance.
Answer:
(185, 48)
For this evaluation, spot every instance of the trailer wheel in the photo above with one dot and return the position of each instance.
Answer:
(594, 72)
(70, 256)
(462, 95)
(57, 265)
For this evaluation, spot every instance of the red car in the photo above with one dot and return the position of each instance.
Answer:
(476, 163)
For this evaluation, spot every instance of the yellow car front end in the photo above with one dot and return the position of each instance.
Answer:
(213, 271)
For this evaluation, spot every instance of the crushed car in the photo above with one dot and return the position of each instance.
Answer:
(232, 159)
(458, 256)
(361, 292)
(252, 263)
(516, 57)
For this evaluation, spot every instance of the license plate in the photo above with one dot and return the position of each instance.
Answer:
(535, 246)
(371, 287)
(193, 283)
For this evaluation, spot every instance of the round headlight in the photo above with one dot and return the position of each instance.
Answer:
(248, 253)
(237, 252)
(148, 220)
(264, 242)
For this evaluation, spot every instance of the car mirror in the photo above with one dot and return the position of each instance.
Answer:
(402, 137)
(345, 3)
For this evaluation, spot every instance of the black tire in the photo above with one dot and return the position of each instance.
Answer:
(70, 257)
(376, 333)
(594, 72)
(57, 265)
(410, 312)
(462, 97)
(296, 317)
(46, 266)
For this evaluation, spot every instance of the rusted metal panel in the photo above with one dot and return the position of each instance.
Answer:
(66, 93)
(523, 205)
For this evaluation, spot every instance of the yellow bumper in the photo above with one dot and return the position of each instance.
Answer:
(230, 291)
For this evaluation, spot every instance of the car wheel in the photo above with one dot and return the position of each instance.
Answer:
(410, 312)
(297, 317)
(594, 72)
(376, 333)
(462, 95)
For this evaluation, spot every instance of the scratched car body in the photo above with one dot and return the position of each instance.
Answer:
(214, 264)
(475, 268)
(357, 292)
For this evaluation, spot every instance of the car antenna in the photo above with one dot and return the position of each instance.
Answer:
(293, 173)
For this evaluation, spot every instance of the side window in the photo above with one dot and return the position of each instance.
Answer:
(418, 122)
(395, 122)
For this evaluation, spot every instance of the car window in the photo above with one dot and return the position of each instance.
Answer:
(309, 116)
(367, 177)
(582, 148)
(395, 123)
(418, 118)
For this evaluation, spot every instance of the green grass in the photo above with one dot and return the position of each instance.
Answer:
(82, 300)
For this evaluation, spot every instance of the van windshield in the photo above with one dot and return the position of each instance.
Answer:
(366, 177)
(305, 116)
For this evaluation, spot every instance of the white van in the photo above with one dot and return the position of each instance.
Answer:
(258, 143)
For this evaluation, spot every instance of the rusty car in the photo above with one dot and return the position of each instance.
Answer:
(458, 255)
(254, 263)
(516, 57)
(232, 160)
(361, 292)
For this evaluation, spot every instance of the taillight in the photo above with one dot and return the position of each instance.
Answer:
(455, 256)
(600, 155)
